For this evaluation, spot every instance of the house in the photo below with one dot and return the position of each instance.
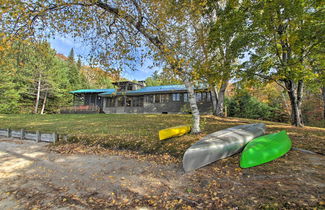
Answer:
(135, 97)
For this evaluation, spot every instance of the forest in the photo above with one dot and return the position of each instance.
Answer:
(242, 48)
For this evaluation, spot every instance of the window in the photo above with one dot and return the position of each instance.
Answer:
(204, 96)
(176, 97)
(130, 87)
(164, 98)
(198, 97)
(208, 97)
(157, 98)
(149, 99)
(120, 101)
(138, 101)
(110, 102)
(93, 99)
(185, 97)
(128, 101)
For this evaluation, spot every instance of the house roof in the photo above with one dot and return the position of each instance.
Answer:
(150, 90)
(162, 88)
(145, 90)
(92, 91)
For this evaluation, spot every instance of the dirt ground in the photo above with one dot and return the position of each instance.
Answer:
(35, 176)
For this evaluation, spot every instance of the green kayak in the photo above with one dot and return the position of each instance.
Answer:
(264, 149)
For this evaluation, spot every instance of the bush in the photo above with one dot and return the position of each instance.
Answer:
(246, 106)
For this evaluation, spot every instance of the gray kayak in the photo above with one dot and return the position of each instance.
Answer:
(220, 144)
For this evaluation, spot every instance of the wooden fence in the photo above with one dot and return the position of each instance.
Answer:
(81, 109)
(22, 134)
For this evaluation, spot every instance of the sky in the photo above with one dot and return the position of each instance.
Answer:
(63, 46)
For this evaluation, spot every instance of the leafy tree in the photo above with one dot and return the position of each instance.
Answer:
(227, 40)
(117, 30)
(163, 78)
(285, 34)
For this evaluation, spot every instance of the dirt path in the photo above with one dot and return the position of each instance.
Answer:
(50, 179)
(33, 177)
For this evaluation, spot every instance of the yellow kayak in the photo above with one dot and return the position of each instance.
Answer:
(174, 131)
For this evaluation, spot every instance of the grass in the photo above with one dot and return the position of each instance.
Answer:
(294, 181)
(140, 132)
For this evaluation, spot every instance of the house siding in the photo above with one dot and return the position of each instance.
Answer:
(171, 107)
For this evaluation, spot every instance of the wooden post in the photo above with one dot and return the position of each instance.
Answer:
(55, 137)
(38, 136)
(9, 132)
(22, 134)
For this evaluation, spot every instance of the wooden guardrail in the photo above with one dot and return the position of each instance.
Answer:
(36, 136)
(80, 109)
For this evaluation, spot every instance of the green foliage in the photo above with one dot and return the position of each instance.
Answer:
(164, 78)
(246, 106)
(23, 65)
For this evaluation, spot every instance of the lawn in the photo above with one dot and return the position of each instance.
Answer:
(140, 132)
(294, 181)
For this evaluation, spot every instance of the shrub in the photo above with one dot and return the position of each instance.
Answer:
(246, 106)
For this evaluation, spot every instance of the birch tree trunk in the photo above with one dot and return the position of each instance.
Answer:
(214, 99)
(221, 99)
(295, 94)
(44, 102)
(194, 107)
(38, 93)
(218, 99)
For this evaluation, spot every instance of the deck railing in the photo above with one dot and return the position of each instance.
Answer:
(80, 109)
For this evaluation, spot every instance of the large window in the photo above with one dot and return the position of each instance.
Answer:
(198, 97)
(110, 102)
(176, 97)
(149, 99)
(157, 98)
(185, 97)
(208, 97)
(138, 101)
(120, 101)
(128, 101)
(93, 99)
(164, 98)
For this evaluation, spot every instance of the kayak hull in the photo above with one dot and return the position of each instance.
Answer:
(220, 144)
(265, 149)
(174, 131)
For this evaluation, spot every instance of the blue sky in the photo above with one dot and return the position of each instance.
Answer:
(63, 45)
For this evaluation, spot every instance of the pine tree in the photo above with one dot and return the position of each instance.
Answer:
(71, 56)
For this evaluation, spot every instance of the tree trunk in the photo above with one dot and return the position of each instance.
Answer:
(38, 94)
(218, 99)
(295, 95)
(221, 99)
(194, 108)
(323, 93)
(214, 99)
(44, 102)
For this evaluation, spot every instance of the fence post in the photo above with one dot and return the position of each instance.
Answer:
(38, 136)
(22, 134)
(65, 138)
(55, 137)
(9, 132)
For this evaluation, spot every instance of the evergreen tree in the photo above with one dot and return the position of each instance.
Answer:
(71, 56)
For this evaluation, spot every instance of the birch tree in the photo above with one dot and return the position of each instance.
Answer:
(118, 31)
(227, 42)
